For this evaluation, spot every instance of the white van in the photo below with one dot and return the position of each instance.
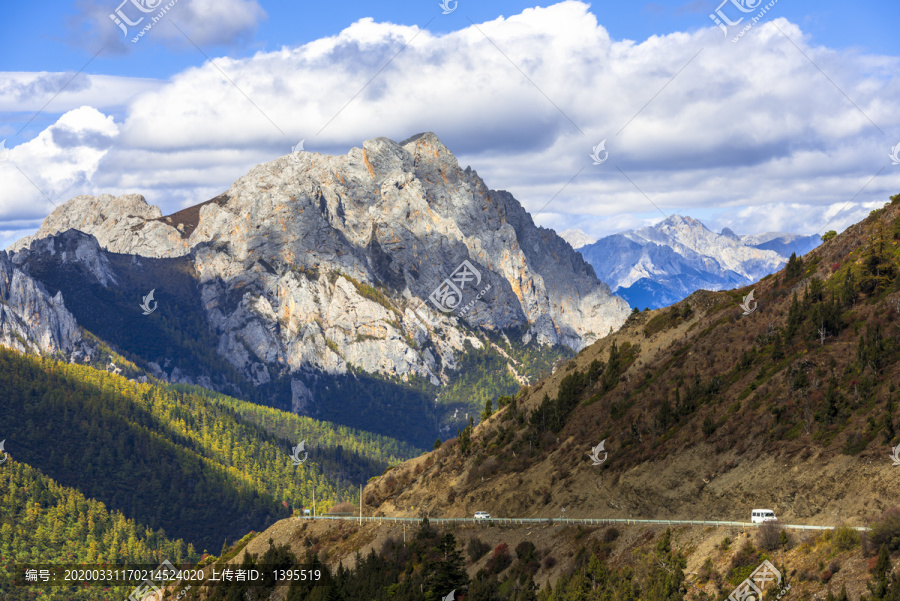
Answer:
(482, 515)
(758, 516)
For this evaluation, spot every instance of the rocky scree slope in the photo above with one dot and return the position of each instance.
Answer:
(705, 412)
(315, 264)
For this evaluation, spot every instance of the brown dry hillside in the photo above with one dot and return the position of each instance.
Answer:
(813, 563)
(706, 412)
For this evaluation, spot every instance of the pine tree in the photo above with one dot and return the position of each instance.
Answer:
(488, 409)
(795, 317)
(848, 289)
(611, 374)
(879, 587)
(448, 573)
(888, 429)
(777, 349)
(794, 267)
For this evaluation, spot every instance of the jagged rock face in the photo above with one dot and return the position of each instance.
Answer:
(33, 321)
(286, 259)
(124, 224)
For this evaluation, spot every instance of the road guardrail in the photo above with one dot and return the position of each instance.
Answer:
(567, 520)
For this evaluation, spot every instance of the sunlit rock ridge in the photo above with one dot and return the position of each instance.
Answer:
(316, 262)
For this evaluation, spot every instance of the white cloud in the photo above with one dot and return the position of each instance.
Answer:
(58, 164)
(31, 92)
(752, 132)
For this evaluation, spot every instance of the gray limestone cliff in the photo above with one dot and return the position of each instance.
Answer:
(32, 320)
(314, 262)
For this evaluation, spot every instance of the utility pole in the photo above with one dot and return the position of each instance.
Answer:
(314, 502)
(360, 504)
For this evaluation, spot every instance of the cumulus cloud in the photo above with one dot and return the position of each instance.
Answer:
(751, 134)
(59, 163)
(32, 91)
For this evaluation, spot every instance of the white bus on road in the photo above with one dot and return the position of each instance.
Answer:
(758, 516)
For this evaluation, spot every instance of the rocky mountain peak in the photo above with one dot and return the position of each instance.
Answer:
(390, 259)
(728, 233)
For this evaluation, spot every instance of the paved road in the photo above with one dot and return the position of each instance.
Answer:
(585, 521)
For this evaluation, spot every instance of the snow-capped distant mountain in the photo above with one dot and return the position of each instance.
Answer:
(658, 265)
(576, 238)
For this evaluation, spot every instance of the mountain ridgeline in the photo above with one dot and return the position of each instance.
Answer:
(350, 288)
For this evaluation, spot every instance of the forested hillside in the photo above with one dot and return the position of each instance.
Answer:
(174, 459)
(42, 522)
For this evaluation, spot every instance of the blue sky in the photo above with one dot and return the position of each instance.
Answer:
(44, 36)
(787, 128)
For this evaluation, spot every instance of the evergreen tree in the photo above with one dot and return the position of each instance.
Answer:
(488, 409)
(795, 317)
(879, 587)
(447, 572)
(888, 430)
(613, 368)
(777, 349)
(425, 530)
(794, 268)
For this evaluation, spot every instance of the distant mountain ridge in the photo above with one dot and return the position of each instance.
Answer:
(577, 238)
(659, 265)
